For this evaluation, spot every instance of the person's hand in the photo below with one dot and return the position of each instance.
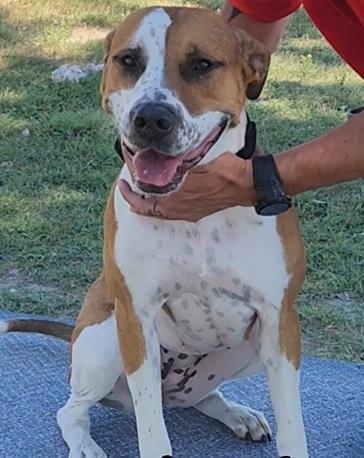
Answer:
(225, 182)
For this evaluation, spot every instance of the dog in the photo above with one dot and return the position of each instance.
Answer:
(181, 307)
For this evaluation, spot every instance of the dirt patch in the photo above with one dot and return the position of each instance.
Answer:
(15, 283)
(85, 34)
(19, 294)
(343, 304)
(333, 327)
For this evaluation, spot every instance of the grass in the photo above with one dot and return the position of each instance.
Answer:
(54, 181)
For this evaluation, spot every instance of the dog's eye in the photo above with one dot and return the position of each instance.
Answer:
(202, 65)
(128, 60)
(196, 67)
(131, 62)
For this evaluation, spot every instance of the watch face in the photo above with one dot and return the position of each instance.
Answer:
(272, 209)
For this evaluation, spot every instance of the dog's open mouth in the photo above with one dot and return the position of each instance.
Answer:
(159, 173)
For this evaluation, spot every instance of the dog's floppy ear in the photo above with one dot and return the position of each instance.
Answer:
(107, 44)
(256, 63)
(107, 48)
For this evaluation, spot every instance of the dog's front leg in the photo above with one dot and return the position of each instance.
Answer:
(282, 368)
(140, 348)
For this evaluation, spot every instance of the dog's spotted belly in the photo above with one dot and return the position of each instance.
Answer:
(207, 335)
(214, 319)
(190, 374)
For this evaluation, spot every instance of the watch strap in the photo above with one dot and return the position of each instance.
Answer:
(272, 199)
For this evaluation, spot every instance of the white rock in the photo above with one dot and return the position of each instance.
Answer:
(68, 72)
(92, 68)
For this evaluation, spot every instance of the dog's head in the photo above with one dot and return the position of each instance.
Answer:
(175, 81)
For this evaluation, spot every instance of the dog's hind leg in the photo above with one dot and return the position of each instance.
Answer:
(243, 421)
(96, 367)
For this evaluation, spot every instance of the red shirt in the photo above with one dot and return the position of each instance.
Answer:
(340, 21)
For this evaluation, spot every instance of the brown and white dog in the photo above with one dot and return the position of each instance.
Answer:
(190, 305)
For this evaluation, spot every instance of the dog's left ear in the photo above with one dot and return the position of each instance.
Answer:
(256, 63)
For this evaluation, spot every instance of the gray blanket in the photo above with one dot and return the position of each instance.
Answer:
(33, 385)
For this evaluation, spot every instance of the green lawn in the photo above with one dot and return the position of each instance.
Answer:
(53, 183)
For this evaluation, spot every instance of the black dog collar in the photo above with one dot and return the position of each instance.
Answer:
(250, 141)
(117, 146)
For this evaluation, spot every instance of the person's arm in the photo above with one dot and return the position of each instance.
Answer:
(333, 158)
(268, 33)
(330, 159)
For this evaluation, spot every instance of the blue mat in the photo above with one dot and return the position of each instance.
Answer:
(33, 385)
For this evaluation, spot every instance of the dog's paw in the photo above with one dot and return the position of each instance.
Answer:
(248, 423)
(88, 449)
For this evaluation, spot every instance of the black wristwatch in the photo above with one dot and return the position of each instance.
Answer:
(272, 200)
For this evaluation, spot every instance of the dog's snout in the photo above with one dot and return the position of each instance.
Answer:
(153, 118)
(155, 125)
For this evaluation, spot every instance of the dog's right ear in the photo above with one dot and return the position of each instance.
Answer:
(107, 48)
(107, 44)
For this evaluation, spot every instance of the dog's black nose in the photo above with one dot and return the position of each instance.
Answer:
(153, 118)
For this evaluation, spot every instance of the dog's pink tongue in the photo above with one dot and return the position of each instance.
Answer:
(154, 168)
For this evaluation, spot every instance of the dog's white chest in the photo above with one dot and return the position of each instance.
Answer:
(213, 277)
